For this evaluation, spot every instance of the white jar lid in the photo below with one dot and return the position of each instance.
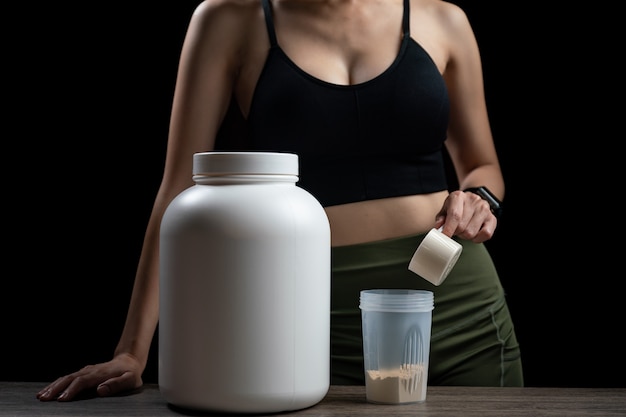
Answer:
(215, 163)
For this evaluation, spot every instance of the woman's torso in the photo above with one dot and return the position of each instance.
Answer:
(348, 44)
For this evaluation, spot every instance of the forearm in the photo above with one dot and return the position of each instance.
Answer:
(143, 311)
(489, 176)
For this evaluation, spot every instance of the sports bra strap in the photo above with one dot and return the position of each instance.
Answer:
(406, 23)
(269, 22)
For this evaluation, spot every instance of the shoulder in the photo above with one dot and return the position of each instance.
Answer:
(226, 13)
(449, 16)
(230, 28)
(450, 22)
(227, 6)
(442, 28)
(455, 25)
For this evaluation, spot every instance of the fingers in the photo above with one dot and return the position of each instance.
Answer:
(51, 392)
(103, 380)
(68, 387)
(468, 216)
(64, 388)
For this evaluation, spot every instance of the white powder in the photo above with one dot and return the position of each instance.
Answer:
(404, 385)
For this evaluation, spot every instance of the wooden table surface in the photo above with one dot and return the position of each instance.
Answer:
(18, 399)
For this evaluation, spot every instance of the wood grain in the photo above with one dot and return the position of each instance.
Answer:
(18, 399)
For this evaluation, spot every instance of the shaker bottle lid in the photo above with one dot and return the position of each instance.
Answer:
(232, 163)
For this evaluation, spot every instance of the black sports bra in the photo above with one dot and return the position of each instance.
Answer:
(377, 139)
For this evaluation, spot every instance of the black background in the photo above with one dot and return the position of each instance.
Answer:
(87, 99)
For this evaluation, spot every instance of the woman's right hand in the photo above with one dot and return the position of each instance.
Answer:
(120, 374)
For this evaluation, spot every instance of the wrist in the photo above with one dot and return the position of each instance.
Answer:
(494, 203)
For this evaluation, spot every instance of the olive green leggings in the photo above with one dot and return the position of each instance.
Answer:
(473, 340)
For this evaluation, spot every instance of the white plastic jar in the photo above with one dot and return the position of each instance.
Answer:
(244, 321)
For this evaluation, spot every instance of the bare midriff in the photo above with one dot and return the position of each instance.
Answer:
(388, 218)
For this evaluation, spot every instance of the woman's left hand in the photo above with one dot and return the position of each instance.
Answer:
(468, 216)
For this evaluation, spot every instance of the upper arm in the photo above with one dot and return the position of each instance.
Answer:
(470, 140)
(209, 62)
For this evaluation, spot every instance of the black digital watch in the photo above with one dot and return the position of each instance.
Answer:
(485, 194)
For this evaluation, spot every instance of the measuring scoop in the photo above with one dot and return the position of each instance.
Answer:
(435, 256)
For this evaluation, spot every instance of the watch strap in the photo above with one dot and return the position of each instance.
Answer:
(494, 203)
